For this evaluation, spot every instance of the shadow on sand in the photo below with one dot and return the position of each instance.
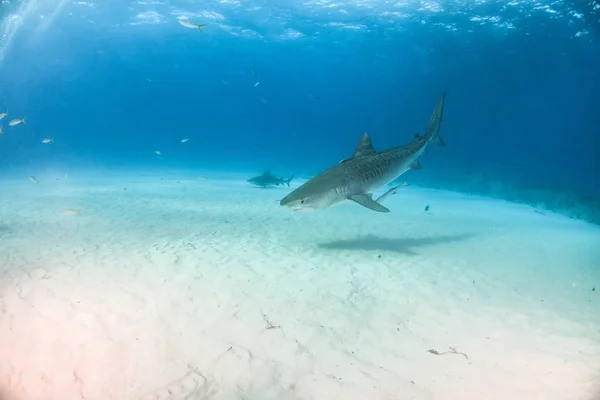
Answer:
(4, 229)
(400, 245)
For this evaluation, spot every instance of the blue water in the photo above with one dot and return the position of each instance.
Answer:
(145, 275)
(113, 81)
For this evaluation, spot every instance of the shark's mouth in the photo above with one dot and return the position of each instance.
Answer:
(297, 207)
(302, 209)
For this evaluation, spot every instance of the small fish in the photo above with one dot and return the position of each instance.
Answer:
(48, 140)
(427, 208)
(188, 24)
(391, 192)
(224, 82)
(256, 84)
(157, 152)
(316, 97)
(263, 101)
(1, 130)
(66, 177)
(32, 179)
(4, 114)
(254, 72)
(149, 80)
(185, 140)
(17, 122)
(71, 211)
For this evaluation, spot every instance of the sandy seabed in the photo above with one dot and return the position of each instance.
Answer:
(208, 289)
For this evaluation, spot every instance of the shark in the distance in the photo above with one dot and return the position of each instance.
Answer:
(367, 170)
(266, 180)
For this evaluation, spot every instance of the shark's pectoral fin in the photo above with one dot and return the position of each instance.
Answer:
(415, 165)
(367, 201)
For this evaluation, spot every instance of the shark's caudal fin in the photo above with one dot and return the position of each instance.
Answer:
(289, 180)
(367, 201)
(433, 129)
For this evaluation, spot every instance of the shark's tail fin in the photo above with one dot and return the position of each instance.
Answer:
(287, 182)
(433, 129)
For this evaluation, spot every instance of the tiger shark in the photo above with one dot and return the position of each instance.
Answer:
(356, 178)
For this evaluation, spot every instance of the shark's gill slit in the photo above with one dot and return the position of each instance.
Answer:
(357, 177)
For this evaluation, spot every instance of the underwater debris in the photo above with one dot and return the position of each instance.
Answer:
(451, 351)
(269, 323)
(192, 385)
(72, 211)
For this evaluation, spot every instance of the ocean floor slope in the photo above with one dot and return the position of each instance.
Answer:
(142, 288)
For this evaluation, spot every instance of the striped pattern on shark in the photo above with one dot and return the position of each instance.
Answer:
(357, 177)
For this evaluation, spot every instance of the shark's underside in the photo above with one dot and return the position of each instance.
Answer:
(357, 177)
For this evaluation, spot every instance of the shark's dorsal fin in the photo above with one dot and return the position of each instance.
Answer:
(364, 147)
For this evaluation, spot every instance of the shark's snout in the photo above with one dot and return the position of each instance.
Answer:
(292, 202)
(287, 201)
